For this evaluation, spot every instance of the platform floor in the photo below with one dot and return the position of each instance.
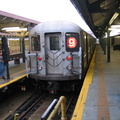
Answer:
(103, 96)
(17, 71)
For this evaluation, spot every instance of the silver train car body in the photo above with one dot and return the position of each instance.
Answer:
(60, 53)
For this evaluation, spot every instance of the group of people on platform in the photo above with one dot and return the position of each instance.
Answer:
(2, 65)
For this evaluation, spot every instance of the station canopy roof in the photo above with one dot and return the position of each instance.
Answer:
(11, 20)
(99, 14)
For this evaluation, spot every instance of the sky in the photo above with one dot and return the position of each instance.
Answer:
(44, 10)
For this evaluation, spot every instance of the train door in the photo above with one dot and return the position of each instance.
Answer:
(31, 59)
(53, 52)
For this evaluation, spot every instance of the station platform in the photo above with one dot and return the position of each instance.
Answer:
(100, 95)
(17, 72)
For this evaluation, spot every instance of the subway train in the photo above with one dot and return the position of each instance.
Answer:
(60, 53)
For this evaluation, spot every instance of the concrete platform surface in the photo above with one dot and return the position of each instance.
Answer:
(103, 99)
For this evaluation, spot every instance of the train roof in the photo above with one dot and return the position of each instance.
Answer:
(57, 26)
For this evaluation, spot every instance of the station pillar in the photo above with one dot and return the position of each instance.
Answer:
(104, 40)
(108, 46)
(103, 44)
(6, 55)
(23, 48)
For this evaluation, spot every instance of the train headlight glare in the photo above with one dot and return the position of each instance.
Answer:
(69, 67)
(40, 68)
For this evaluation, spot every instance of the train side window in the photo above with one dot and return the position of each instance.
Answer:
(35, 43)
(72, 42)
(84, 42)
(54, 43)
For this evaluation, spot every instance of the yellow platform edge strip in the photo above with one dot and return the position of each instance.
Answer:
(79, 108)
(12, 81)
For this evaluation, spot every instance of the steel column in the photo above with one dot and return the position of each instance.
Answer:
(108, 46)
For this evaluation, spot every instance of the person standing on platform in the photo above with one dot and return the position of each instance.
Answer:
(2, 65)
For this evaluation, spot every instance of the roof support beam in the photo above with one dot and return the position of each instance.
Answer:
(104, 10)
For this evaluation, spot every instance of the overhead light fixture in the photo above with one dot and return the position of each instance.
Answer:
(114, 33)
(10, 28)
(113, 18)
(13, 29)
(114, 30)
(20, 29)
(114, 27)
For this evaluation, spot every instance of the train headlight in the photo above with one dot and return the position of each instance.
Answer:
(69, 67)
(40, 68)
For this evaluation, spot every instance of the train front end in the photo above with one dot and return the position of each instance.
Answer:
(55, 56)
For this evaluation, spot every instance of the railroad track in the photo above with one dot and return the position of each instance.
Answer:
(35, 106)
(28, 107)
(71, 102)
(32, 108)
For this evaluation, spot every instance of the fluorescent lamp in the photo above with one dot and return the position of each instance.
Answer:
(114, 33)
(114, 27)
(113, 18)
(10, 29)
(20, 29)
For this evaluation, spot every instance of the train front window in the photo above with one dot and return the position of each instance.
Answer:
(54, 43)
(35, 43)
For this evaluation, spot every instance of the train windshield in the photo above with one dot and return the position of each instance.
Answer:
(35, 43)
(54, 43)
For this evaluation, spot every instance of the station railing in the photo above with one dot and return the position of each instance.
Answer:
(50, 113)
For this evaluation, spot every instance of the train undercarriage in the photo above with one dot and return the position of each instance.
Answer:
(54, 86)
